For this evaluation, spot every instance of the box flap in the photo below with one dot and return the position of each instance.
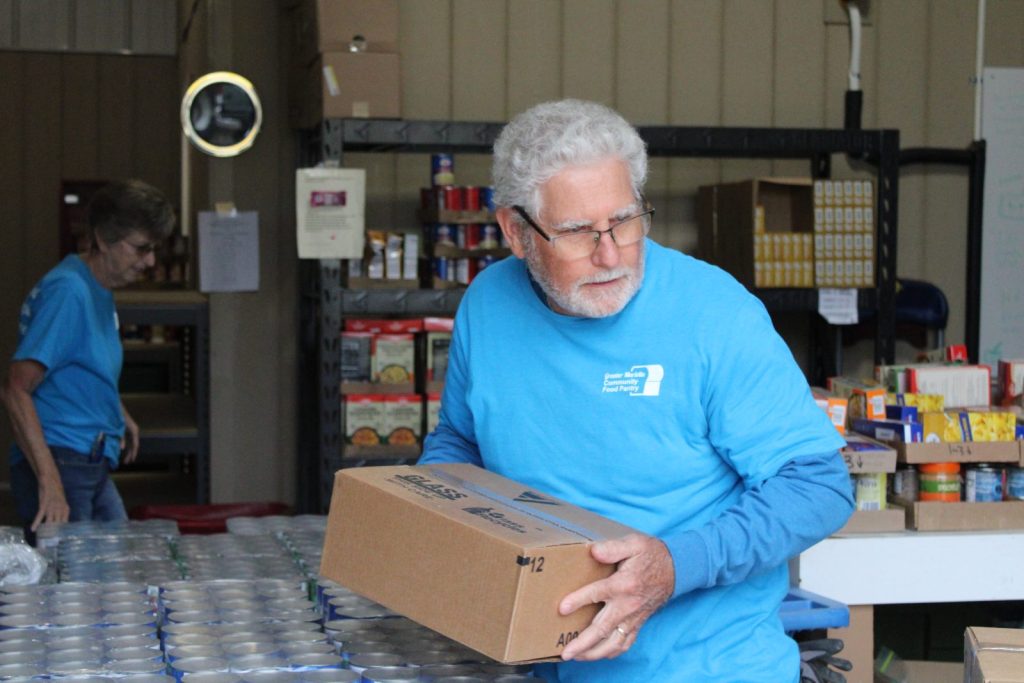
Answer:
(993, 655)
(863, 454)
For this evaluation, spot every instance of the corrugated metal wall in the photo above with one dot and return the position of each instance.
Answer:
(682, 62)
(702, 62)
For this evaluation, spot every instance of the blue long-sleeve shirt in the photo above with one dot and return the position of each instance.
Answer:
(683, 416)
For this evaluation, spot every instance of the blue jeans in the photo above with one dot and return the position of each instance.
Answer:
(88, 488)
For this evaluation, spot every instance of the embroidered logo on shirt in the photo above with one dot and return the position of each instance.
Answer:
(639, 380)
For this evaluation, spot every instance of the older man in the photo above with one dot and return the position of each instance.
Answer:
(646, 386)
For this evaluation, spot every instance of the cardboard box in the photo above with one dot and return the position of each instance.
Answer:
(979, 451)
(863, 455)
(916, 671)
(893, 518)
(993, 655)
(858, 643)
(346, 85)
(326, 25)
(728, 217)
(477, 557)
(933, 516)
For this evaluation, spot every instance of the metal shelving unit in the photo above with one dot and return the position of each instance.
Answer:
(174, 423)
(325, 302)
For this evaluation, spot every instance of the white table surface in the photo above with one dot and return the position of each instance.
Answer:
(916, 567)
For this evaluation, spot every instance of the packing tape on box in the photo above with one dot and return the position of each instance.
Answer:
(997, 647)
(521, 506)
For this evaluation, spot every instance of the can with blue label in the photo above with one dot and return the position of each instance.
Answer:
(984, 484)
(1015, 483)
(442, 169)
(487, 198)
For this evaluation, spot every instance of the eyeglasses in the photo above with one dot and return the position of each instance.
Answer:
(579, 243)
(144, 249)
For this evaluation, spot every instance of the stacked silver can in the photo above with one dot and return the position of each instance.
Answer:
(243, 627)
(239, 556)
(78, 629)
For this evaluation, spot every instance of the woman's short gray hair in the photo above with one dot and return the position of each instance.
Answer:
(543, 140)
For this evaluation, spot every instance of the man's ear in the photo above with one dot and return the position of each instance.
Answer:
(510, 228)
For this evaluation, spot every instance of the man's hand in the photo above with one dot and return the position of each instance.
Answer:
(130, 440)
(643, 580)
(53, 506)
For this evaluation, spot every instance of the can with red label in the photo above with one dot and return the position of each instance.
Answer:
(471, 198)
(472, 236)
(451, 198)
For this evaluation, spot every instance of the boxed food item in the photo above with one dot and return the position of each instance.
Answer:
(356, 356)
(865, 398)
(1011, 381)
(923, 402)
(959, 385)
(394, 358)
(993, 655)
(889, 430)
(365, 419)
(834, 406)
(968, 425)
(403, 419)
(477, 557)
(383, 325)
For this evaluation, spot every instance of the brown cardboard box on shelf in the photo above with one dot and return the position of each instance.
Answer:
(729, 215)
(346, 85)
(969, 451)
(917, 671)
(478, 557)
(325, 25)
(864, 455)
(936, 516)
(892, 518)
(993, 655)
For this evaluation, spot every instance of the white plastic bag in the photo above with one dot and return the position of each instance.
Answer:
(20, 563)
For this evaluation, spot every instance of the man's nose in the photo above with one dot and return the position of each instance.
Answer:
(606, 253)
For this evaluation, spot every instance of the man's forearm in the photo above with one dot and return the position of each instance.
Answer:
(808, 499)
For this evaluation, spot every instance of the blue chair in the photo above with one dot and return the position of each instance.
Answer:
(921, 305)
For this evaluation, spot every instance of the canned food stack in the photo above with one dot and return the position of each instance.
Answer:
(245, 557)
(78, 629)
(51, 534)
(459, 227)
(306, 548)
(274, 524)
(293, 648)
(131, 557)
(383, 646)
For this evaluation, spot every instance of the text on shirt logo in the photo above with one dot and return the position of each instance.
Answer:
(639, 380)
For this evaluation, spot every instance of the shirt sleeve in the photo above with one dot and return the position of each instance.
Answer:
(453, 440)
(50, 324)
(808, 499)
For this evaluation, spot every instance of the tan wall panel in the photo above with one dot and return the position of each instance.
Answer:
(903, 58)
(747, 73)
(479, 31)
(426, 53)
(798, 99)
(116, 84)
(534, 53)
(13, 231)
(42, 164)
(1004, 43)
(952, 26)
(695, 99)
(81, 117)
(155, 122)
(642, 65)
(589, 47)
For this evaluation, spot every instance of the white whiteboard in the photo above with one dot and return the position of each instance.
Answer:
(1002, 252)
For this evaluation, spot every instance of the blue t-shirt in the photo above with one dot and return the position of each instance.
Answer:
(660, 417)
(68, 323)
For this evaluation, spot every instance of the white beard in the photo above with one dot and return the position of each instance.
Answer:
(580, 301)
